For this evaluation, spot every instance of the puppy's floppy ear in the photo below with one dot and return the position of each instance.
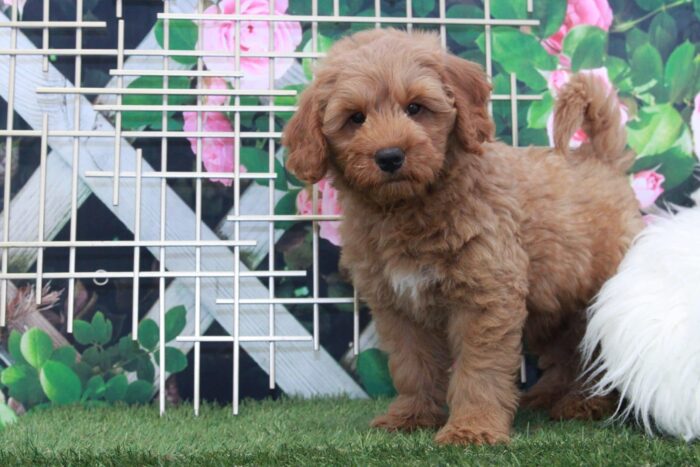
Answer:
(308, 151)
(467, 83)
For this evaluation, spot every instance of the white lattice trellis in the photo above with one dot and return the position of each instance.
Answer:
(97, 157)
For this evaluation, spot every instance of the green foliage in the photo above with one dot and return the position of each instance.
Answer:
(41, 373)
(373, 370)
(36, 347)
(182, 36)
(60, 384)
(256, 160)
(175, 321)
(551, 15)
(139, 120)
(520, 53)
(323, 44)
(148, 334)
(586, 46)
(681, 73)
(423, 8)
(512, 9)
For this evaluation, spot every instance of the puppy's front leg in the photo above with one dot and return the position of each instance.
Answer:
(418, 362)
(482, 394)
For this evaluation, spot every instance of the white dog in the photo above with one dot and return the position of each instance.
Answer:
(646, 324)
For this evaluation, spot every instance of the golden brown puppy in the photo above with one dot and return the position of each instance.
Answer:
(462, 246)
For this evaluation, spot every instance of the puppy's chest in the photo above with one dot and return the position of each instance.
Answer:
(416, 288)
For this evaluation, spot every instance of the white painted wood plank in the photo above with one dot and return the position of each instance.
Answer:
(294, 360)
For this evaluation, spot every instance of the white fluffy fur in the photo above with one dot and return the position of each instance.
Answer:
(646, 324)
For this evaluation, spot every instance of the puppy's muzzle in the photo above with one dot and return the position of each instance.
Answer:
(389, 159)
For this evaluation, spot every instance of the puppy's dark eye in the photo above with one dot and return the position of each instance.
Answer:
(413, 108)
(357, 117)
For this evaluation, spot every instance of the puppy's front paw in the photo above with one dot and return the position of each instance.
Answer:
(392, 421)
(466, 434)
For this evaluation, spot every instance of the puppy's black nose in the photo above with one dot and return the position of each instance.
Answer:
(389, 159)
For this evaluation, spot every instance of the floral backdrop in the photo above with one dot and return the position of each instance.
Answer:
(646, 49)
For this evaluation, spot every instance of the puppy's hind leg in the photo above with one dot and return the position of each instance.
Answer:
(561, 389)
(418, 362)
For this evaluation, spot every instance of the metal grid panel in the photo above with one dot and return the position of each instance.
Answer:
(136, 177)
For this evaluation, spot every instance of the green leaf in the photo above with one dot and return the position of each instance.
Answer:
(512, 9)
(175, 360)
(680, 72)
(94, 389)
(323, 45)
(175, 321)
(23, 383)
(585, 45)
(60, 383)
(139, 392)
(82, 332)
(127, 347)
(254, 159)
(182, 36)
(539, 111)
(676, 164)
(14, 374)
(423, 8)
(84, 371)
(589, 54)
(373, 370)
(92, 356)
(646, 65)
(287, 204)
(648, 5)
(288, 100)
(656, 130)
(7, 415)
(663, 33)
(36, 347)
(66, 355)
(520, 53)
(101, 328)
(148, 334)
(145, 369)
(136, 120)
(618, 69)
(696, 7)
(635, 39)
(465, 35)
(115, 389)
(551, 14)
(13, 345)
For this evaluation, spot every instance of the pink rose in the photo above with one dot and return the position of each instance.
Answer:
(20, 5)
(594, 12)
(217, 153)
(695, 125)
(556, 80)
(220, 36)
(214, 83)
(327, 203)
(647, 187)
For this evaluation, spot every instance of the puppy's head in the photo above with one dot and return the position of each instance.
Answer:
(383, 112)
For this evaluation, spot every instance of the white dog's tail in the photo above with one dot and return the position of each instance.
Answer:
(643, 333)
(587, 102)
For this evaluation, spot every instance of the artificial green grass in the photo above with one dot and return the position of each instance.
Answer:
(316, 432)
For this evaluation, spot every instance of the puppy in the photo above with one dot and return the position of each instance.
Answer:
(462, 246)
